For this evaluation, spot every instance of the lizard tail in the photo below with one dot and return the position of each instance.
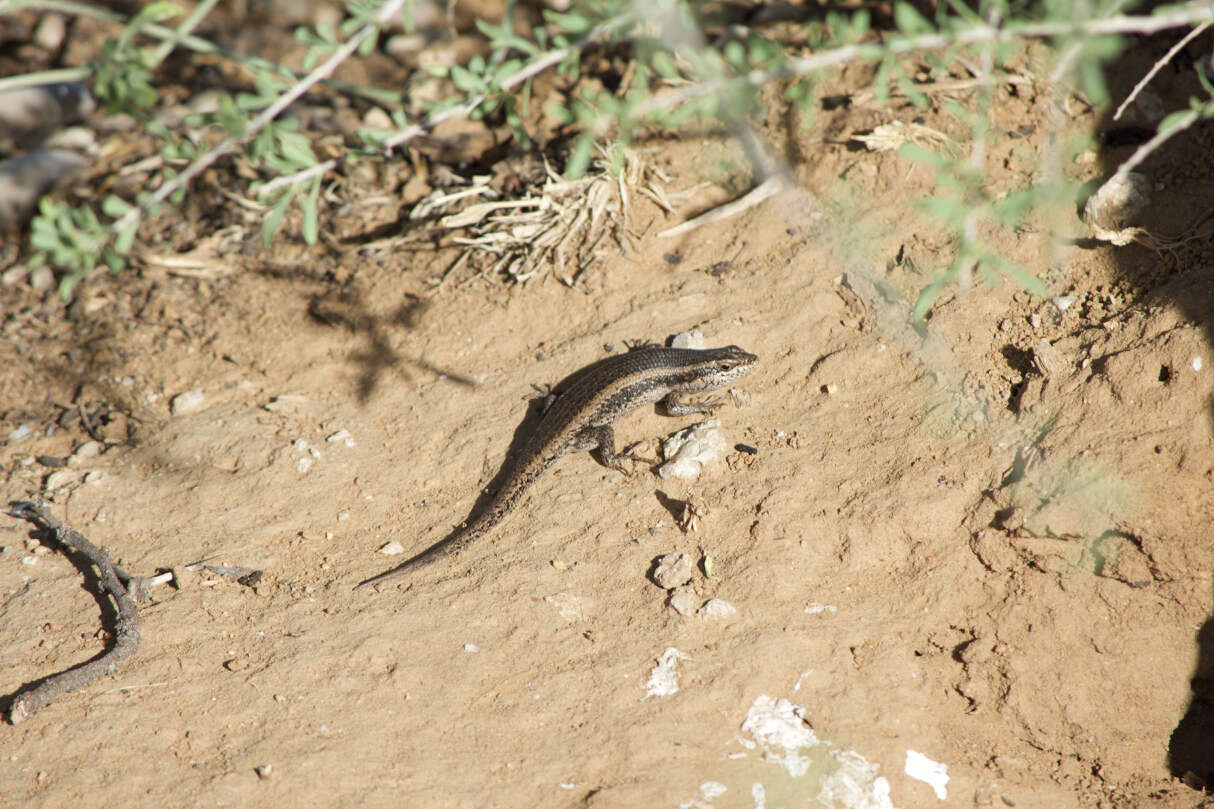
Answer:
(449, 546)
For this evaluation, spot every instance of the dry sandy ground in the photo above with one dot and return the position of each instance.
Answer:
(987, 543)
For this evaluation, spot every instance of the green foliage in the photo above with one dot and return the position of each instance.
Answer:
(76, 241)
(665, 77)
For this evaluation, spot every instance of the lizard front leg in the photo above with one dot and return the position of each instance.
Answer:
(675, 406)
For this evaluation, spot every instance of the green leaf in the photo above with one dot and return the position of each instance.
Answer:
(915, 152)
(558, 112)
(273, 219)
(579, 158)
(112, 260)
(927, 296)
(311, 220)
(950, 209)
(156, 12)
(570, 23)
(909, 20)
(1011, 210)
(294, 147)
(126, 237)
(663, 64)
(465, 80)
(500, 37)
(1023, 277)
(1180, 118)
(67, 285)
(43, 238)
(735, 55)
(367, 46)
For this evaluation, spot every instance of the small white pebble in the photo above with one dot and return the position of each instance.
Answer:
(1063, 302)
(684, 600)
(186, 402)
(392, 548)
(717, 608)
(89, 449)
(22, 432)
(303, 465)
(1196, 363)
(673, 570)
(815, 609)
(60, 479)
(340, 435)
(29, 560)
(688, 339)
(471, 648)
(932, 773)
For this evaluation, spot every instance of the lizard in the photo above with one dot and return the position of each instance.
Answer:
(578, 415)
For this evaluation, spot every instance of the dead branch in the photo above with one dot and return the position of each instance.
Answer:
(126, 627)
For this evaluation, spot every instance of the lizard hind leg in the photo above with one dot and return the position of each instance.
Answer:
(601, 440)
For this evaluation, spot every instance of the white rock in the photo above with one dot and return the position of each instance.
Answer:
(664, 679)
(41, 278)
(60, 479)
(673, 570)
(22, 432)
(376, 118)
(1115, 207)
(569, 606)
(684, 600)
(717, 608)
(932, 773)
(14, 275)
(186, 402)
(688, 451)
(89, 449)
(50, 32)
(392, 548)
(688, 339)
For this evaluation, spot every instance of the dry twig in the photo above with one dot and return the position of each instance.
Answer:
(1167, 57)
(126, 628)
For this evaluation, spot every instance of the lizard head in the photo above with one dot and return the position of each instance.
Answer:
(725, 365)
